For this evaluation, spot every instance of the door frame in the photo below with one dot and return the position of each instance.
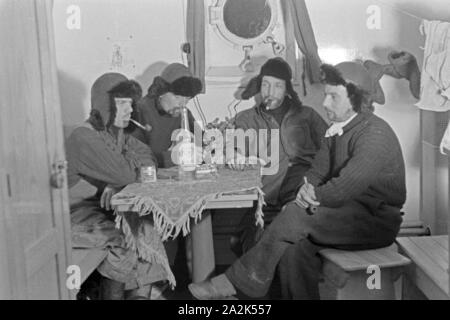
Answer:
(19, 262)
(55, 136)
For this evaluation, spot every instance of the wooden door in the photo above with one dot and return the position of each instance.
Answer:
(34, 215)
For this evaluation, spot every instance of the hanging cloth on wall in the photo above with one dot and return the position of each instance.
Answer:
(195, 35)
(435, 81)
(304, 35)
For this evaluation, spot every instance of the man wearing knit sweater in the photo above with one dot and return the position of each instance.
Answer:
(357, 184)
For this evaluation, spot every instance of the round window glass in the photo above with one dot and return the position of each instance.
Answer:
(247, 19)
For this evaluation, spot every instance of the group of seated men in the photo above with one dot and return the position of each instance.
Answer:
(351, 172)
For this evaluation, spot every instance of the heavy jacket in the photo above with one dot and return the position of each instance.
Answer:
(95, 156)
(300, 135)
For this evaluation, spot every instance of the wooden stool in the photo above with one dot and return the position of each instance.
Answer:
(348, 272)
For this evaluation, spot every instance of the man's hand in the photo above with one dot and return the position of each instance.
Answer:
(306, 197)
(242, 163)
(105, 199)
(236, 166)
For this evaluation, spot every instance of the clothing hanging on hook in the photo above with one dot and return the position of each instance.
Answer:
(435, 80)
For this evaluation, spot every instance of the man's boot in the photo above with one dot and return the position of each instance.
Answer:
(112, 290)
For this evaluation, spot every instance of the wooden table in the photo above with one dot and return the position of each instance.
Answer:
(203, 261)
(429, 270)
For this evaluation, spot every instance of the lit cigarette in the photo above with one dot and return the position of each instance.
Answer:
(146, 128)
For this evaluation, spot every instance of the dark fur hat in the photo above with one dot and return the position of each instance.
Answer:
(186, 86)
(176, 78)
(275, 67)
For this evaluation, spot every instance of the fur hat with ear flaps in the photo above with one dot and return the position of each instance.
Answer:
(100, 100)
(103, 91)
(176, 78)
(277, 68)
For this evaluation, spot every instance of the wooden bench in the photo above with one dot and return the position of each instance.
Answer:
(347, 271)
(429, 270)
(88, 260)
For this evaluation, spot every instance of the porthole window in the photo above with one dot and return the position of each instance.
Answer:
(244, 23)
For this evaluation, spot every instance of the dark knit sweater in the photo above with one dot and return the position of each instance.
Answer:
(364, 164)
(279, 112)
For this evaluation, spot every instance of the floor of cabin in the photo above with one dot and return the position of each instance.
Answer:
(91, 288)
(224, 225)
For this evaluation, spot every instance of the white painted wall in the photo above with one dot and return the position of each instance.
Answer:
(157, 30)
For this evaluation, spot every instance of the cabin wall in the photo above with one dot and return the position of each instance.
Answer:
(151, 33)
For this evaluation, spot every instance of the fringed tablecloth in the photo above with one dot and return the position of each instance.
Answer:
(173, 203)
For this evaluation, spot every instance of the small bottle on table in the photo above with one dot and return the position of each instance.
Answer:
(186, 164)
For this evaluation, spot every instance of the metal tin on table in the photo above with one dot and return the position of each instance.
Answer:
(206, 171)
(148, 174)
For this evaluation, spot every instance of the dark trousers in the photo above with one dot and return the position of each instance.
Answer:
(249, 233)
(292, 180)
(294, 238)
